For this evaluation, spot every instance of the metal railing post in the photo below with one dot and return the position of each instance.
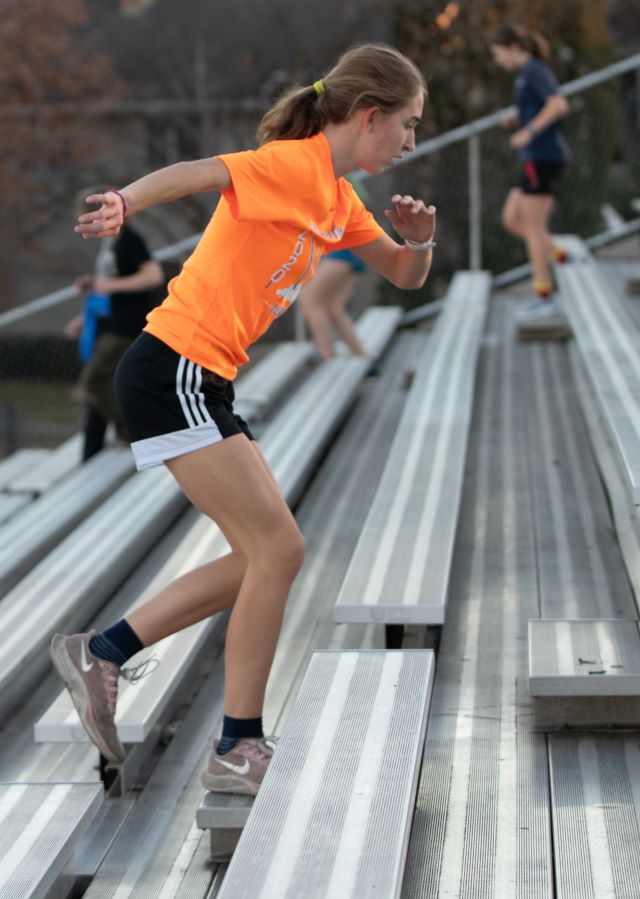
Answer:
(475, 204)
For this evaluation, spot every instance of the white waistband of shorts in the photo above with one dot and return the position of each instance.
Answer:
(154, 451)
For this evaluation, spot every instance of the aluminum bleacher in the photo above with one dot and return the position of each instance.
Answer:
(400, 570)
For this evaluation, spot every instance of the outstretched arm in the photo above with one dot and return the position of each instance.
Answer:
(404, 266)
(162, 186)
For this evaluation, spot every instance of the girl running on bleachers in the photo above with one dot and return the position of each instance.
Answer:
(542, 153)
(282, 207)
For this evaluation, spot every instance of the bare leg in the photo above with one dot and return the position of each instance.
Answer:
(516, 216)
(194, 596)
(512, 213)
(232, 484)
(536, 211)
(341, 320)
(333, 277)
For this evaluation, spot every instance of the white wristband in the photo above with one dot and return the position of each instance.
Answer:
(413, 245)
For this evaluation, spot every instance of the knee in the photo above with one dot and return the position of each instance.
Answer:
(287, 551)
(510, 221)
(296, 550)
(333, 314)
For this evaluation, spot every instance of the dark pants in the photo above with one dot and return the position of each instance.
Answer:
(97, 384)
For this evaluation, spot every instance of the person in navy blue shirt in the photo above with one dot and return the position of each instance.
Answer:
(542, 152)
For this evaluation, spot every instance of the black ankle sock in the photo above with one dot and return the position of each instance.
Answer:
(116, 644)
(236, 729)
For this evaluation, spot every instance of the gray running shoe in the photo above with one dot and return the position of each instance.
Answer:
(93, 686)
(241, 770)
(536, 310)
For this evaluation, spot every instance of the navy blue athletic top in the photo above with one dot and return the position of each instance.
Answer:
(534, 85)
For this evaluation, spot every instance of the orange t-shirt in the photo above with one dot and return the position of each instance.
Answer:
(284, 210)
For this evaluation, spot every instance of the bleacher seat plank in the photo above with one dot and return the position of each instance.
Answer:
(375, 328)
(584, 658)
(333, 816)
(11, 503)
(626, 515)
(595, 805)
(58, 463)
(293, 447)
(265, 382)
(269, 379)
(422, 313)
(40, 826)
(19, 462)
(609, 343)
(50, 517)
(68, 586)
(400, 568)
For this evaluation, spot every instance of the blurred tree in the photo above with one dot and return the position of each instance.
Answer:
(46, 67)
(449, 41)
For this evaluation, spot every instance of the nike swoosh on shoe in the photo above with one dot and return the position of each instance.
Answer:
(84, 663)
(239, 769)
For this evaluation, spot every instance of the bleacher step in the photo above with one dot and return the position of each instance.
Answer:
(224, 811)
(339, 794)
(40, 824)
(586, 658)
(595, 813)
(554, 327)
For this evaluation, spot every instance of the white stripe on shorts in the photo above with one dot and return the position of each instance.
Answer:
(188, 383)
(154, 451)
(200, 395)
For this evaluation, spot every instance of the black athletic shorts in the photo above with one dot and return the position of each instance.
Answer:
(170, 405)
(541, 177)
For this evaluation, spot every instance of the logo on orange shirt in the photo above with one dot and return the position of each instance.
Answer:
(334, 234)
(290, 293)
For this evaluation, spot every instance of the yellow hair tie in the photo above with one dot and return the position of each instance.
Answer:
(318, 87)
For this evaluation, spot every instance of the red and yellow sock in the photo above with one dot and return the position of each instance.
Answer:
(558, 254)
(542, 289)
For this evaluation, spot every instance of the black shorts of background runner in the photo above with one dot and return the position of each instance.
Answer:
(170, 405)
(539, 177)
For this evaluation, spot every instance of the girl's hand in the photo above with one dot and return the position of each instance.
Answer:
(105, 221)
(520, 139)
(73, 328)
(412, 219)
(509, 122)
(104, 285)
(84, 283)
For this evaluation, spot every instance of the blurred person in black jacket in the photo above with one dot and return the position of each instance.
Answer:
(133, 280)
